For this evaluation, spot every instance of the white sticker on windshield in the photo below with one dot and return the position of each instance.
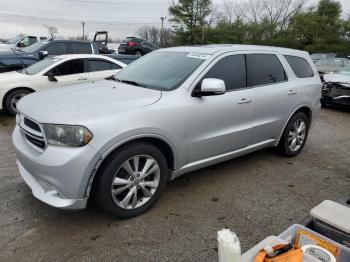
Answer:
(198, 56)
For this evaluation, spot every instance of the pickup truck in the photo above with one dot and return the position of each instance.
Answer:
(21, 41)
(17, 59)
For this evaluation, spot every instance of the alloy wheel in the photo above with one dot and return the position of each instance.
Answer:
(296, 136)
(135, 182)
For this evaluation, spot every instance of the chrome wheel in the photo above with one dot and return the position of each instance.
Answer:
(135, 182)
(14, 99)
(296, 136)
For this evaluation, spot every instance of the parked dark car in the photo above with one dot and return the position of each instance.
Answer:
(336, 89)
(15, 60)
(136, 46)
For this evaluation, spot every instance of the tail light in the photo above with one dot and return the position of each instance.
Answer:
(131, 44)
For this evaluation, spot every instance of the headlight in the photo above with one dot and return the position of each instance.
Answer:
(65, 135)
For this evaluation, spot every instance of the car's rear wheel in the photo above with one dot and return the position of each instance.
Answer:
(295, 135)
(11, 100)
(131, 180)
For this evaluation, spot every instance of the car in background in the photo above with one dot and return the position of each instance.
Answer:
(52, 73)
(318, 56)
(136, 46)
(171, 112)
(21, 41)
(330, 65)
(336, 89)
(15, 60)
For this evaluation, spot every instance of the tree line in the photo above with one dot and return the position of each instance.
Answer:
(287, 23)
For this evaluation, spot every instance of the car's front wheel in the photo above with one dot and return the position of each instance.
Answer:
(131, 180)
(11, 100)
(295, 134)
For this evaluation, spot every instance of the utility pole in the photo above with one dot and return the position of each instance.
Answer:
(161, 32)
(83, 24)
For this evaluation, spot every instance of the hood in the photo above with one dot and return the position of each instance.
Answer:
(326, 69)
(338, 78)
(5, 47)
(80, 103)
(13, 76)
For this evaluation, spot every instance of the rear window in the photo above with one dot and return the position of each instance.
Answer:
(300, 66)
(264, 69)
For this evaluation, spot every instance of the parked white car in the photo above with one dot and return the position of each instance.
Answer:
(52, 73)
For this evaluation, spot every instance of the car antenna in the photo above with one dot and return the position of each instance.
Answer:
(20, 58)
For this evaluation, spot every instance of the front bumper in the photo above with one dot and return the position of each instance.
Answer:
(59, 176)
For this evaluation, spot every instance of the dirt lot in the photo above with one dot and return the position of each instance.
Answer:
(256, 195)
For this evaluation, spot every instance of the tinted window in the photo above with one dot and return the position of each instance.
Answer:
(264, 69)
(232, 70)
(80, 48)
(69, 68)
(115, 66)
(57, 49)
(99, 65)
(300, 66)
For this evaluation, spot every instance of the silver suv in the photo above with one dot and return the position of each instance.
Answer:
(171, 112)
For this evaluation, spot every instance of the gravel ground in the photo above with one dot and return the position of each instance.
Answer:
(256, 195)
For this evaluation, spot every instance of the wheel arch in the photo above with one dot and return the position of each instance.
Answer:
(304, 109)
(13, 90)
(162, 143)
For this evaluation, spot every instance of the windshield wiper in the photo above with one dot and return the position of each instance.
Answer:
(130, 82)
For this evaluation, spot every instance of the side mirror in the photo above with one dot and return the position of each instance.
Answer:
(210, 87)
(51, 77)
(43, 54)
(21, 44)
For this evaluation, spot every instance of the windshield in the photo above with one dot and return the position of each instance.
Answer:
(39, 66)
(161, 70)
(344, 71)
(32, 48)
(331, 62)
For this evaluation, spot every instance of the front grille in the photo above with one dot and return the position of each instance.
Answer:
(32, 124)
(32, 132)
(35, 141)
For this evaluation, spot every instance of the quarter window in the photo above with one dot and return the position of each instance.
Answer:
(231, 70)
(264, 69)
(300, 66)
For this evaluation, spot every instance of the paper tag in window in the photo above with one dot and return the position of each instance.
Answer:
(198, 56)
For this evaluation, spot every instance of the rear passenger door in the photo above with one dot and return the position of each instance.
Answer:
(220, 124)
(273, 96)
(101, 68)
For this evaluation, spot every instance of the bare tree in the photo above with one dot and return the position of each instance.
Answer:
(52, 30)
(232, 11)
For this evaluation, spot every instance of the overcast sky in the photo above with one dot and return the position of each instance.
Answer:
(120, 17)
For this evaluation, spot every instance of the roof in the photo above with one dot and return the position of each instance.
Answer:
(212, 49)
(77, 56)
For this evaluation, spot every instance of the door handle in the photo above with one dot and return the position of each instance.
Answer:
(292, 92)
(82, 78)
(244, 101)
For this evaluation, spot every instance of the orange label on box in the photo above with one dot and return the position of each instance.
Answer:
(305, 238)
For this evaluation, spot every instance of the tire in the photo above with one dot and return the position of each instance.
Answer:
(114, 198)
(12, 98)
(292, 142)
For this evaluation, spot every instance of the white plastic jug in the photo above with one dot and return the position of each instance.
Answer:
(229, 247)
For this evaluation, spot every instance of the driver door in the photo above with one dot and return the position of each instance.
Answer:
(68, 73)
